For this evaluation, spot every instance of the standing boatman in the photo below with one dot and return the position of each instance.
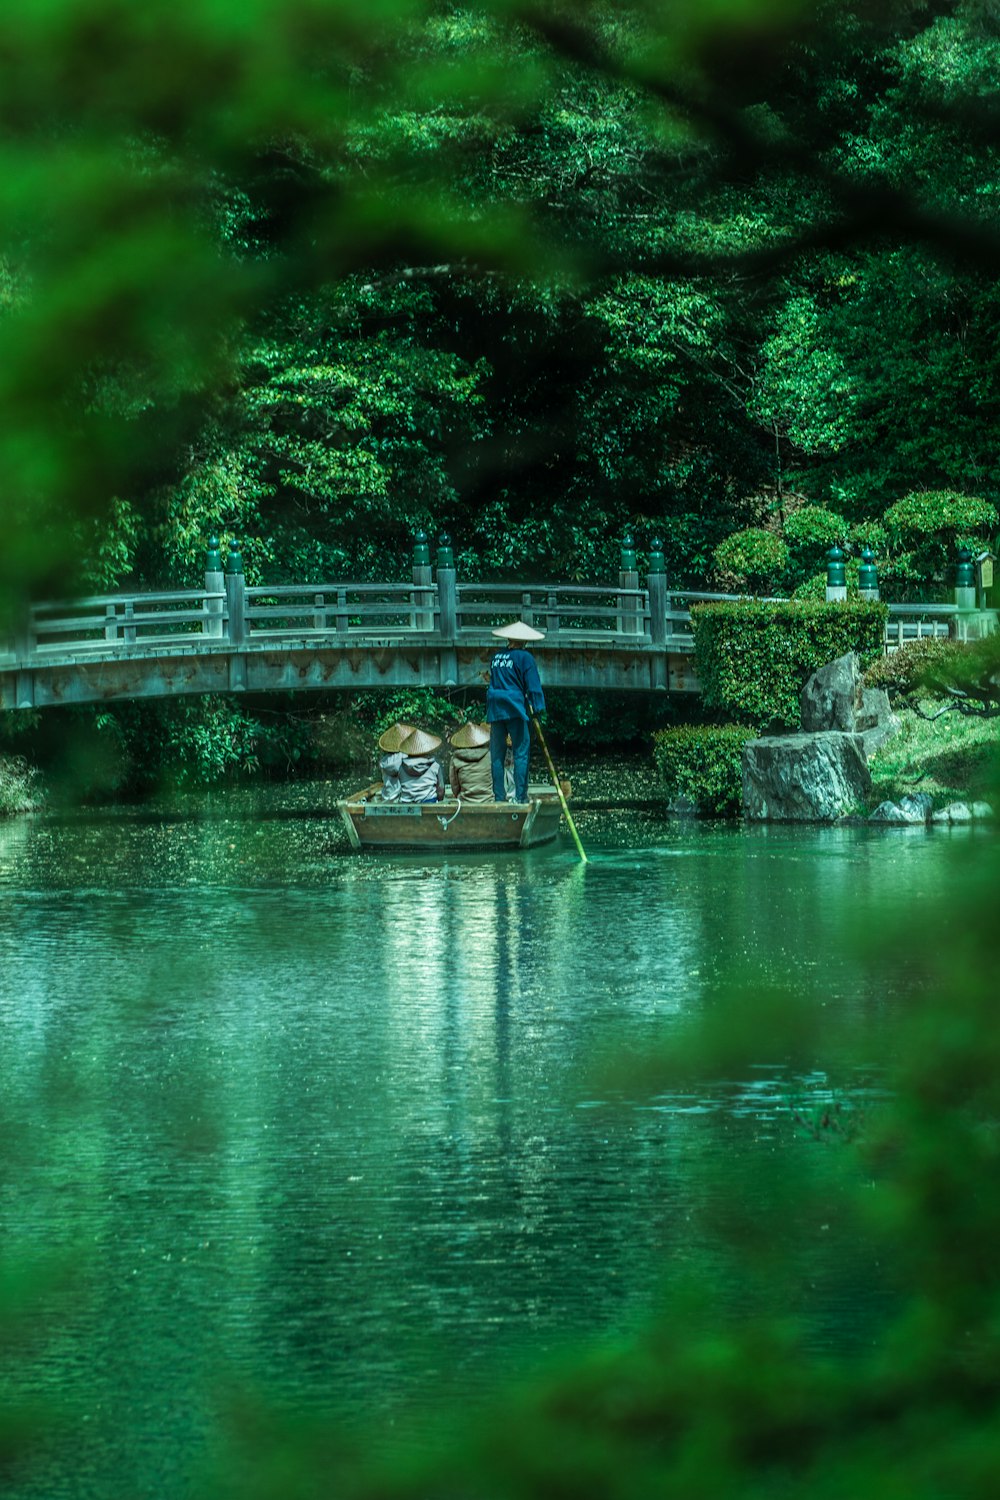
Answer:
(514, 689)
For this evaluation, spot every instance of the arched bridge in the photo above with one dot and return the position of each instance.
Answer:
(428, 631)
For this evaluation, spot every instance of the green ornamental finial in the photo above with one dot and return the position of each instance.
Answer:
(628, 553)
(867, 572)
(656, 562)
(836, 570)
(213, 557)
(446, 558)
(964, 578)
(421, 551)
(234, 562)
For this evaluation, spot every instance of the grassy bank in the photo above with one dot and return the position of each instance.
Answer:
(955, 757)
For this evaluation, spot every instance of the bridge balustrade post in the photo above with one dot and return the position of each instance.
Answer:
(447, 594)
(341, 611)
(527, 613)
(236, 599)
(111, 623)
(967, 625)
(215, 583)
(552, 619)
(628, 578)
(422, 611)
(236, 618)
(447, 609)
(868, 575)
(836, 576)
(129, 628)
(319, 612)
(656, 584)
(25, 643)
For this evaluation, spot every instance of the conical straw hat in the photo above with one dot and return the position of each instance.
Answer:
(419, 743)
(470, 736)
(518, 631)
(393, 737)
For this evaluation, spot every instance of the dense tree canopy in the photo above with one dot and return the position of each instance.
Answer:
(318, 273)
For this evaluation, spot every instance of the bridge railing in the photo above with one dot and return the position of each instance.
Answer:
(291, 611)
(916, 622)
(107, 624)
(569, 612)
(435, 609)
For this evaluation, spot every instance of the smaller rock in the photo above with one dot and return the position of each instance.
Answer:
(917, 807)
(907, 811)
(886, 812)
(955, 812)
(982, 810)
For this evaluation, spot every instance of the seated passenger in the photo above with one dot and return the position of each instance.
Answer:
(469, 773)
(391, 759)
(420, 776)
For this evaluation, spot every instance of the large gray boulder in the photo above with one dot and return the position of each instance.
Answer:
(804, 778)
(832, 696)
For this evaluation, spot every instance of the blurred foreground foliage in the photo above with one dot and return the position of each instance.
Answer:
(317, 271)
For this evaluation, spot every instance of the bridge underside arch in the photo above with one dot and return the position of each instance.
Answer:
(120, 676)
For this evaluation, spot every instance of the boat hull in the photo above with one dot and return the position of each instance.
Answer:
(388, 826)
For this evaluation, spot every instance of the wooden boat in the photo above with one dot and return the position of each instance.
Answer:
(387, 826)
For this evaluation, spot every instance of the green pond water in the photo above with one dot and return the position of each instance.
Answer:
(345, 1131)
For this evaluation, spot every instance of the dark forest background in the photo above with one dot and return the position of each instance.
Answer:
(530, 274)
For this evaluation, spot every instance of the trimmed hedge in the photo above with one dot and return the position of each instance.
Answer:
(704, 762)
(753, 658)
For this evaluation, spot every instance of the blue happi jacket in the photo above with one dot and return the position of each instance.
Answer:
(514, 683)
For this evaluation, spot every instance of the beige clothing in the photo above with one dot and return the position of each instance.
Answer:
(470, 774)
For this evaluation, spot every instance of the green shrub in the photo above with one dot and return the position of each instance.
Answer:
(753, 658)
(924, 532)
(931, 513)
(906, 669)
(754, 556)
(810, 533)
(814, 529)
(703, 762)
(967, 673)
(869, 533)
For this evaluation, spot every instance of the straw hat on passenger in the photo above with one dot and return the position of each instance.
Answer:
(518, 631)
(393, 737)
(470, 736)
(419, 742)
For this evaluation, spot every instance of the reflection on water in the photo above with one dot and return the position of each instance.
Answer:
(334, 1126)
